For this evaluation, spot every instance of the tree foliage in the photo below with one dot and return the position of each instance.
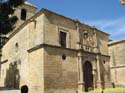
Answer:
(7, 19)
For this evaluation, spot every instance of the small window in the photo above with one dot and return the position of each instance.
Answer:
(23, 14)
(16, 47)
(63, 39)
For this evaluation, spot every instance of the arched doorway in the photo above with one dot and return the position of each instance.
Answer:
(88, 77)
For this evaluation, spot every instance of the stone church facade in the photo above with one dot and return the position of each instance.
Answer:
(52, 53)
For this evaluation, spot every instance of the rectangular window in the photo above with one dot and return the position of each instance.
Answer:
(63, 39)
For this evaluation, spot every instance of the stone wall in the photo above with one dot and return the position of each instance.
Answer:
(117, 62)
(15, 50)
(36, 32)
(61, 75)
(54, 23)
(103, 42)
(36, 71)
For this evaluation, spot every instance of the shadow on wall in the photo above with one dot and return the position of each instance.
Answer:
(12, 80)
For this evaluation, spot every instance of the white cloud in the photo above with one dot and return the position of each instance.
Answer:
(115, 27)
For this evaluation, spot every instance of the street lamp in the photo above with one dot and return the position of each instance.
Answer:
(122, 2)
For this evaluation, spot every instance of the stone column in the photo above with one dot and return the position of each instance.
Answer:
(107, 80)
(94, 74)
(99, 82)
(80, 71)
(79, 61)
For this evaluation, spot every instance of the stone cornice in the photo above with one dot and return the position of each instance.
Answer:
(35, 48)
(54, 46)
(47, 45)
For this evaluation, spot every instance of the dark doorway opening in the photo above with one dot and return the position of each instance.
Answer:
(88, 77)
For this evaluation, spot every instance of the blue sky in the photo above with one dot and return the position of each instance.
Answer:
(106, 15)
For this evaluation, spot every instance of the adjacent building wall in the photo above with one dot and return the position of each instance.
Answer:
(117, 61)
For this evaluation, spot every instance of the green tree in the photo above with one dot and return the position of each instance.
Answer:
(7, 19)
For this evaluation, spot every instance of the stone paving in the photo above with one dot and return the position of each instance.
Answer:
(18, 91)
(9, 91)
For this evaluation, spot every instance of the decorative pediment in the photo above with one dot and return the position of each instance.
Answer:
(88, 40)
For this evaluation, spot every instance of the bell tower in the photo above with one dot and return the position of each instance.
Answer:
(24, 12)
